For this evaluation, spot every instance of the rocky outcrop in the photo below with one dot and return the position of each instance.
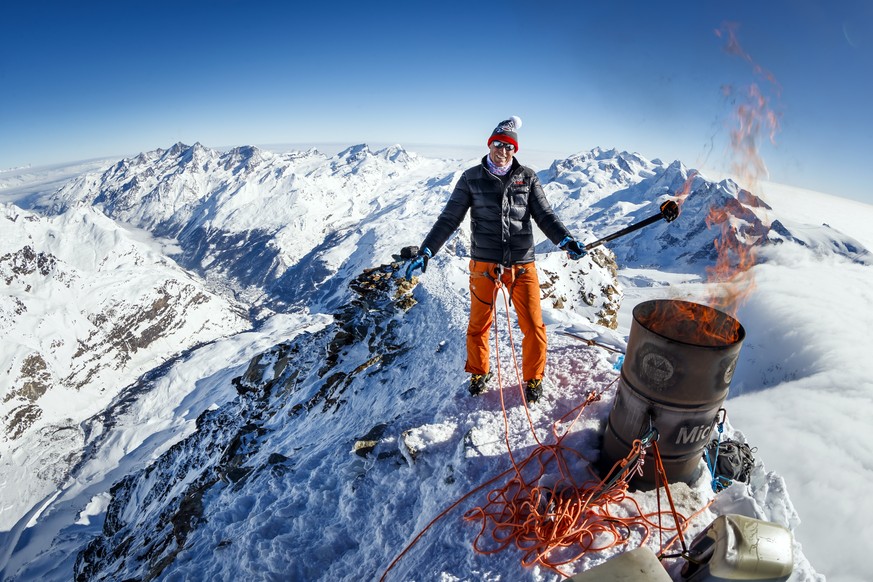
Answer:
(589, 286)
(25, 261)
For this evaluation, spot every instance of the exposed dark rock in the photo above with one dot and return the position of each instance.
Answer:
(26, 262)
(365, 445)
(20, 418)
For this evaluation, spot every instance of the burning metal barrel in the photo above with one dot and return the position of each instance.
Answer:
(680, 360)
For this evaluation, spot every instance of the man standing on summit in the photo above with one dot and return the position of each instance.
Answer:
(502, 197)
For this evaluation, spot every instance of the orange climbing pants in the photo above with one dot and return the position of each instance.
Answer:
(524, 284)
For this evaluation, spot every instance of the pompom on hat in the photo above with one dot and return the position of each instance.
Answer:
(506, 131)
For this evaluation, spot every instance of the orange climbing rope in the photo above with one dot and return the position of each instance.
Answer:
(498, 286)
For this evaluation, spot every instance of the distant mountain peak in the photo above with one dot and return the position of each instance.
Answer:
(176, 149)
(353, 153)
(396, 153)
(244, 158)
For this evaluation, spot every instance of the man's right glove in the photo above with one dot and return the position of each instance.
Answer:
(573, 248)
(419, 262)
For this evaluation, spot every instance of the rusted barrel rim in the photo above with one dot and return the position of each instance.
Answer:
(734, 332)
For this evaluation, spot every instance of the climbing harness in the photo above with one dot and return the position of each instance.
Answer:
(497, 280)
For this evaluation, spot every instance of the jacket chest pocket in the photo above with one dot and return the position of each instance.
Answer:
(519, 195)
(518, 209)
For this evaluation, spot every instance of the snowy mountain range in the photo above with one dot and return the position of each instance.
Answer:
(216, 371)
(253, 220)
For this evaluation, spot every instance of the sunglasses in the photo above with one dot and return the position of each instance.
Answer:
(503, 146)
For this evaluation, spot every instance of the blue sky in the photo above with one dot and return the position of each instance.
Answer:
(91, 79)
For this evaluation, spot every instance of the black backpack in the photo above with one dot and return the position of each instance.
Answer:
(729, 461)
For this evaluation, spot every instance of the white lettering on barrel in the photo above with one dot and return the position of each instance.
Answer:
(698, 433)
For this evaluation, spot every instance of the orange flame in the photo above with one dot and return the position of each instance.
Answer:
(731, 277)
(732, 272)
(753, 117)
(692, 323)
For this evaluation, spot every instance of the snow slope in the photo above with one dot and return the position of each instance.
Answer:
(87, 307)
(354, 430)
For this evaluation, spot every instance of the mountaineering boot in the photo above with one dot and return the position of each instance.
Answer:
(477, 383)
(533, 390)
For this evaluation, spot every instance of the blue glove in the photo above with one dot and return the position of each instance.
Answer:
(573, 248)
(419, 262)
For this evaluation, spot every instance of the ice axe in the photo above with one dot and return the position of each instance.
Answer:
(669, 212)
